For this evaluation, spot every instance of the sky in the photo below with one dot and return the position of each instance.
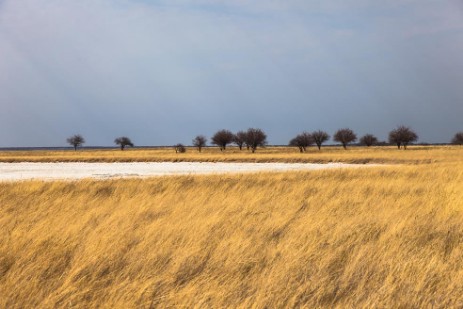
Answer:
(163, 71)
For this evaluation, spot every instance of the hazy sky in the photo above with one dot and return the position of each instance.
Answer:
(162, 72)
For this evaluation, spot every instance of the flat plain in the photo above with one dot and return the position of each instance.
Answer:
(419, 154)
(388, 237)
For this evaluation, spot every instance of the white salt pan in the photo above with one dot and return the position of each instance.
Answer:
(71, 171)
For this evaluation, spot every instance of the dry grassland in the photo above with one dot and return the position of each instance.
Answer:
(415, 154)
(388, 237)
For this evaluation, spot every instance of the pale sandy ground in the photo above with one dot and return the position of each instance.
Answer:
(72, 171)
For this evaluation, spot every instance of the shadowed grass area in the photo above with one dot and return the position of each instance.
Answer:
(380, 237)
(414, 154)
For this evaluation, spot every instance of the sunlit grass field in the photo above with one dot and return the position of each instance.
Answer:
(415, 154)
(383, 237)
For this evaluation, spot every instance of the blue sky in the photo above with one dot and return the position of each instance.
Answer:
(162, 72)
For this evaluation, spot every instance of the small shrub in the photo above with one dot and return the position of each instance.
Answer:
(179, 148)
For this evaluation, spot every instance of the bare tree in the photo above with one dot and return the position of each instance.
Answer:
(394, 138)
(179, 148)
(239, 139)
(319, 137)
(296, 142)
(199, 142)
(368, 140)
(408, 136)
(345, 136)
(222, 138)
(123, 142)
(402, 136)
(76, 141)
(458, 139)
(302, 141)
(255, 138)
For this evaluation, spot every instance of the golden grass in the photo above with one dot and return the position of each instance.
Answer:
(415, 154)
(387, 237)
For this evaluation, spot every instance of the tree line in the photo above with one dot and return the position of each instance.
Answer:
(78, 140)
(401, 136)
(253, 138)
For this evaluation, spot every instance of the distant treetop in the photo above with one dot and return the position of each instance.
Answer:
(76, 141)
(123, 142)
(222, 138)
(458, 138)
(345, 136)
(402, 136)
